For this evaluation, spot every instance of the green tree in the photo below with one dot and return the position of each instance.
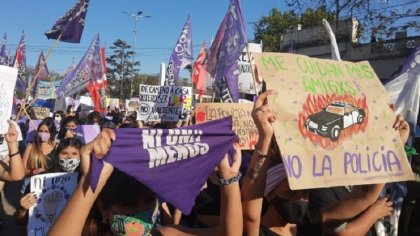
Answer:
(121, 69)
(270, 28)
(379, 19)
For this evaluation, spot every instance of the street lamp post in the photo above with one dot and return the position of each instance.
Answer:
(136, 17)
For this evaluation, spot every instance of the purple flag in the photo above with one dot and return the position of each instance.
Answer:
(3, 55)
(88, 70)
(231, 47)
(40, 73)
(70, 25)
(181, 56)
(174, 163)
(20, 64)
(214, 48)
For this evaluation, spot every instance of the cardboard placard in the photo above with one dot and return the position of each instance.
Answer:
(41, 112)
(52, 191)
(166, 103)
(335, 128)
(243, 125)
(8, 78)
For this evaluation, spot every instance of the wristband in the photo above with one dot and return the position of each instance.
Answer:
(261, 155)
(14, 154)
(231, 180)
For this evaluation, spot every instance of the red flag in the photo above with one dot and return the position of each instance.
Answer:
(97, 88)
(200, 73)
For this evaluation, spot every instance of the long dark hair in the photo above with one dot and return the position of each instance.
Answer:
(36, 158)
(65, 143)
(64, 122)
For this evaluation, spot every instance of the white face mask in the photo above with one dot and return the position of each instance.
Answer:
(69, 164)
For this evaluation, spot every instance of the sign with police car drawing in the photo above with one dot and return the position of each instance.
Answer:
(336, 127)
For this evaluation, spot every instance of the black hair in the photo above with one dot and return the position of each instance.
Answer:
(65, 143)
(64, 122)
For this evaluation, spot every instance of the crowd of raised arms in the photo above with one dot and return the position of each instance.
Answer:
(257, 202)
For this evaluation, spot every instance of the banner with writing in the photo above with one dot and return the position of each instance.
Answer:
(243, 125)
(174, 163)
(132, 106)
(335, 128)
(52, 192)
(41, 112)
(8, 77)
(246, 82)
(166, 103)
(46, 89)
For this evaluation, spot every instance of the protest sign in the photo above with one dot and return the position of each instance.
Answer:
(41, 112)
(166, 103)
(8, 78)
(112, 103)
(245, 78)
(46, 89)
(174, 163)
(132, 106)
(243, 125)
(335, 128)
(52, 192)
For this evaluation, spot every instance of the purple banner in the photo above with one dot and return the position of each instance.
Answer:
(40, 73)
(3, 54)
(69, 27)
(88, 70)
(174, 163)
(233, 43)
(20, 64)
(181, 56)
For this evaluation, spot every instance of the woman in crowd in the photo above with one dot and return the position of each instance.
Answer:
(72, 219)
(38, 154)
(66, 159)
(69, 129)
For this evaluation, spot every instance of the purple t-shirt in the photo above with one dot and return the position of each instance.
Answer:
(174, 163)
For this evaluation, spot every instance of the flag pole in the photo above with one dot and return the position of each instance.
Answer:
(25, 100)
(252, 69)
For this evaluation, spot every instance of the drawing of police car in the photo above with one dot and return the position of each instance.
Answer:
(335, 117)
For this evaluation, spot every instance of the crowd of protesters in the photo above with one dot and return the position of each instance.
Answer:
(259, 202)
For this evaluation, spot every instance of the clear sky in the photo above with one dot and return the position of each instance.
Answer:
(156, 36)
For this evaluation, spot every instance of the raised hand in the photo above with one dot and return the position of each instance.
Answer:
(227, 171)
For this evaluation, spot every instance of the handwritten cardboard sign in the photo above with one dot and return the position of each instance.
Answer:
(52, 191)
(166, 103)
(243, 125)
(8, 78)
(46, 89)
(41, 112)
(335, 127)
(132, 106)
(245, 78)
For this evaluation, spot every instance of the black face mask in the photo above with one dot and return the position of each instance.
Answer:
(293, 211)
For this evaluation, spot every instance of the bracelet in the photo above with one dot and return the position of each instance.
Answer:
(231, 180)
(14, 154)
(262, 155)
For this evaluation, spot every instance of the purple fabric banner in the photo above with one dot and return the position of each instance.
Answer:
(3, 54)
(70, 25)
(174, 163)
(181, 56)
(231, 47)
(40, 73)
(214, 48)
(88, 70)
(20, 64)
